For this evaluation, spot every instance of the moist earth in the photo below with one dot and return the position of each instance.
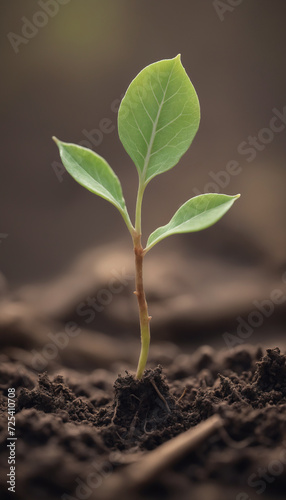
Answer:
(73, 427)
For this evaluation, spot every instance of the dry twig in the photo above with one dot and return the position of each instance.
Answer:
(147, 468)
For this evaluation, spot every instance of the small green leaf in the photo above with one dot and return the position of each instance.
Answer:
(196, 214)
(158, 117)
(93, 172)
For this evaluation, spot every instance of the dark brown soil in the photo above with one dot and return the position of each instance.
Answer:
(74, 430)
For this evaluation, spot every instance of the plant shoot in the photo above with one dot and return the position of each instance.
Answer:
(157, 121)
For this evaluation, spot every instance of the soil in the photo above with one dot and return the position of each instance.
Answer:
(76, 432)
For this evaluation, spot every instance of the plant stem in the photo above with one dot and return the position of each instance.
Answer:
(144, 317)
(143, 308)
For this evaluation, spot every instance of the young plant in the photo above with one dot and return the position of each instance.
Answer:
(157, 120)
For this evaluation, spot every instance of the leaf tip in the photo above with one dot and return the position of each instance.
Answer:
(237, 196)
(56, 140)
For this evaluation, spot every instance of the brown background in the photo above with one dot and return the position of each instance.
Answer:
(65, 79)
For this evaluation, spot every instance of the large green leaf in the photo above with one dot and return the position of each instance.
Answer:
(158, 117)
(196, 214)
(93, 172)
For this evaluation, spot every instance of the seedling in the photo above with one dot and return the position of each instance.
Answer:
(157, 121)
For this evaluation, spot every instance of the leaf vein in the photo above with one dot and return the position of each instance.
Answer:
(145, 109)
(135, 119)
(153, 135)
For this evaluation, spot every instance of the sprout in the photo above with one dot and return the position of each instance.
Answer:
(157, 121)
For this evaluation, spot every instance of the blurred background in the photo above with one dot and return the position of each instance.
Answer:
(65, 67)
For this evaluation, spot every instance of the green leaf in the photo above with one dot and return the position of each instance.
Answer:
(196, 214)
(93, 172)
(158, 117)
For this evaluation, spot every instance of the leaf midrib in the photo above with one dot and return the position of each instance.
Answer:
(154, 131)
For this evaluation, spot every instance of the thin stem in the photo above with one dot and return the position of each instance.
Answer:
(144, 317)
(143, 308)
